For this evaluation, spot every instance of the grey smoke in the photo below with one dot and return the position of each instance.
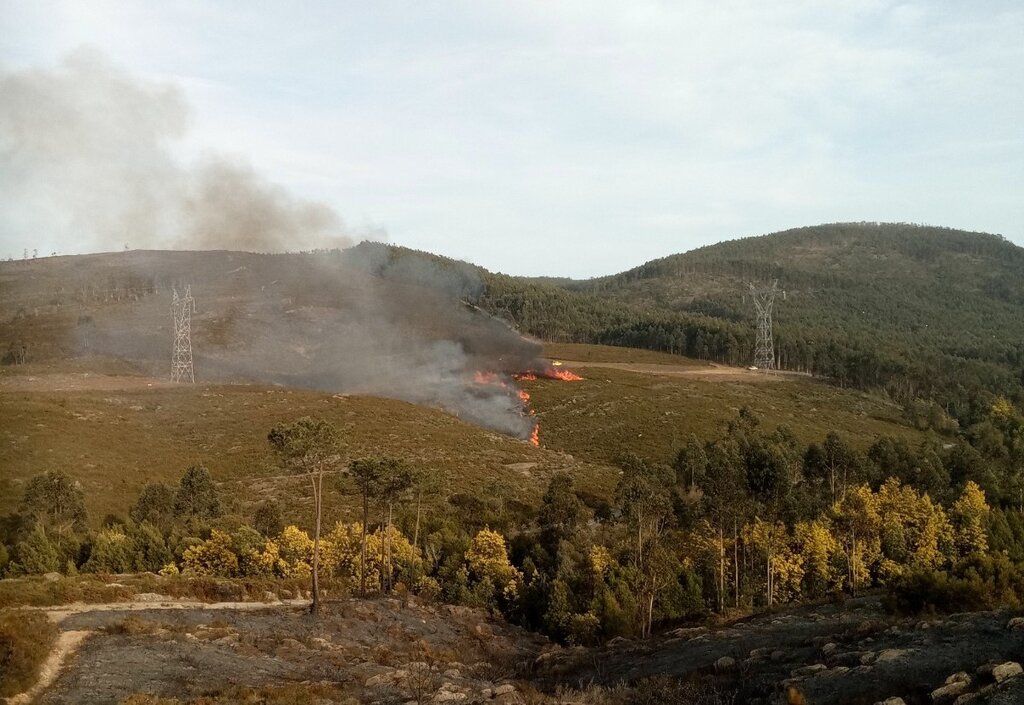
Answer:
(87, 157)
(86, 151)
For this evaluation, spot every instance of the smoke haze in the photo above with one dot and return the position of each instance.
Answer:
(86, 156)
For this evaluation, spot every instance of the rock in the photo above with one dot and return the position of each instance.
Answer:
(965, 698)
(725, 663)
(829, 648)
(452, 673)
(889, 655)
(958, 677)
(837, 671)
(949, 692)
(504, 689)
(269, 596)
(52, 577)
(1015, 623)
(1005, 671)
(447, 696)
(810, 670)
(760, 653)
(688, 632)
(891, 701)
(380, 679)
(151, 597)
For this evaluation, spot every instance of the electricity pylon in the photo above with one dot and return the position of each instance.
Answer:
(182, 308)
(764, 347)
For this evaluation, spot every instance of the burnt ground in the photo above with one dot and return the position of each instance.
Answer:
(363, 649)
(851, 654)
(381, 651)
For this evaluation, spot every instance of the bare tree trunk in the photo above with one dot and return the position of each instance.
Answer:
(416, 531)
(314, 607)
(387, 540)
(362, 555)
(383, 542)
(736, 560)
(721, 569)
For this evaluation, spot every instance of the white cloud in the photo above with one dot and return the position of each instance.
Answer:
(619, 131)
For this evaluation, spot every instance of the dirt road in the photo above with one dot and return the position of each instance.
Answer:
(712, 372)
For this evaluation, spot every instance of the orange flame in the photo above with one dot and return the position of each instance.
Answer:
(535, 436)
(486, 378)
(564, 375)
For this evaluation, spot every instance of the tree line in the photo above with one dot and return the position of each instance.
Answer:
(745, 520)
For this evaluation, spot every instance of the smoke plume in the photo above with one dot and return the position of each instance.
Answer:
(87, 157)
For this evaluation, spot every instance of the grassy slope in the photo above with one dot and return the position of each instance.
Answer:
(114, 441)
(614, 411)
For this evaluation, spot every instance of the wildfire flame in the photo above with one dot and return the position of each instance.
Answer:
(552, 371)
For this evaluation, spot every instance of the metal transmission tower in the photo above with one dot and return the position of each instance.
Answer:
(764, 348)
(182, 308)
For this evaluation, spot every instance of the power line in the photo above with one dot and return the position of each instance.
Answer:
(764, 347)
(182, 309)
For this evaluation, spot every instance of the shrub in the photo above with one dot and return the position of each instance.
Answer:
(37, 553)
(212, 557)
(25, 640)
(113, 551)
(931, 592)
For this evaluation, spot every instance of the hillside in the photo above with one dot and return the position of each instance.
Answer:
(924, 312)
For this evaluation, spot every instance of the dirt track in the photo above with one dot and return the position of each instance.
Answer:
(712, 372)
(77, 381)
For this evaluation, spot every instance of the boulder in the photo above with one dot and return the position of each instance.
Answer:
(891, 701)
(763, 652)
(1005, 671)
(958, 677)
(52, 577)
(889, 655)
(829, 648)
(949, 692)
(504, 689)
(725, 663)
(810, 670)
(448, 696)
(1015, 623)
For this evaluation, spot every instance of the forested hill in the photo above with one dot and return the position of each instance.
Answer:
(930, 313)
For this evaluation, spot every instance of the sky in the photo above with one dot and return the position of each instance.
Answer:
(536, 138)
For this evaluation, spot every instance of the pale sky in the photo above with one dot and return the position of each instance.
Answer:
(573, 138)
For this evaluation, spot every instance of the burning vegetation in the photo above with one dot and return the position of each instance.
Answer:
(504, 383)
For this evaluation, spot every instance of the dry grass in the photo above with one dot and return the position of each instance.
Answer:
(35, 591)
(612, 412)
(114, 442)
(301, 694)
(606, 353)
(25, 640)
